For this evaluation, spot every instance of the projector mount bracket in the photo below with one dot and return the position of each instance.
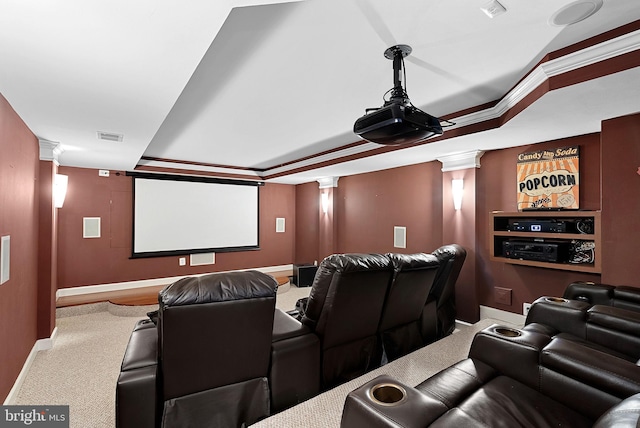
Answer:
(396, 54)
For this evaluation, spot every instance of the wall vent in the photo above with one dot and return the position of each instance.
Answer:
(202, 259)
(110, 136)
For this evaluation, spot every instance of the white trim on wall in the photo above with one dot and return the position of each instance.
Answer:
(117, 286)
(500, 315)
(40, 345)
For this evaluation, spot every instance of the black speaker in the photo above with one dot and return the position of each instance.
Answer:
(303, 275)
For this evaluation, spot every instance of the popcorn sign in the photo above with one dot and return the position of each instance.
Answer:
(549, 178)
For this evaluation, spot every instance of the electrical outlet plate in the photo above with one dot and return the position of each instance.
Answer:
(525, 308)
(502, 295)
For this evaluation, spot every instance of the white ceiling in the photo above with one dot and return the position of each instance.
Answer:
(255, 84)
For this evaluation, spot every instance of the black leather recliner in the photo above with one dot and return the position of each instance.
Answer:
(439, 314)
(365, 309)
(621, 296)
(608, 329)
(264, 361)
(512, 378)
(213, 353)
(401, 326)
(344, 309)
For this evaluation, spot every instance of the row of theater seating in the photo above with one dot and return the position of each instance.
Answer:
(574, 364)
(220, 354)
(622, 296)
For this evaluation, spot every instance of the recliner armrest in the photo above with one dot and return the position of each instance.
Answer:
(142, 349)
(512, 352)
(294, 372)
(136, 390)
(567, 316)
(286, 326)
(594, 294)
(396, 405)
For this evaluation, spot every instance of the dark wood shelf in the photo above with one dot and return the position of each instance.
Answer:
(498, 234)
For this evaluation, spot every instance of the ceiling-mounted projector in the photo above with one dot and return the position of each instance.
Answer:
(397, 121)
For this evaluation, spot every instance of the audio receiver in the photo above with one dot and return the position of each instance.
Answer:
(553, 251)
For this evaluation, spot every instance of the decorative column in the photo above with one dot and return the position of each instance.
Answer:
(47, 239)
(328, 225)
(459, 224)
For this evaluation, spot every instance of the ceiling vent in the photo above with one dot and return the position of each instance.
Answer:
(110, 136)
(493, 8)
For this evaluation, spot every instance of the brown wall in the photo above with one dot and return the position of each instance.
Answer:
(307, 210)
(106, 260)
(621, 200)
(364, 210)
(496, 191)
(368, 206)
(456, 229)
(47, 250)
(18, 219)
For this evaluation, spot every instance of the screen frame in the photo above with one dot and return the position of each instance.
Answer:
(196, 179)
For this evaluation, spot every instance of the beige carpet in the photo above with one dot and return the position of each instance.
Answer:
(325, 410)
(82, 368)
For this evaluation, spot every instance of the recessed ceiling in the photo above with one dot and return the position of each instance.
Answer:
(250, 86)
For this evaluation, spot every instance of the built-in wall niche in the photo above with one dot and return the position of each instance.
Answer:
(568, 240)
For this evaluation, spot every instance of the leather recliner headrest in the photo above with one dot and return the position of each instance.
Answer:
(355, 262)
(218, 287)
(413, 261)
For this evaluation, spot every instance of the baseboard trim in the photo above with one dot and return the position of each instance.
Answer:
(460, 323)
(40, 345)
(118, 286)
(500, 315)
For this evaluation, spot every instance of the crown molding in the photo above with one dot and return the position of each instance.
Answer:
(327, 157)
(536, 78)
(50, 150)
(327, 182)
(573, 61)
(459, 161)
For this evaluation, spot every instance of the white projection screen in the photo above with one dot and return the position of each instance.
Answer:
(175, 214)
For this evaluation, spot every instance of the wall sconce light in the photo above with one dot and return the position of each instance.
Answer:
(457, 185)
(59, 189)
(324, 200)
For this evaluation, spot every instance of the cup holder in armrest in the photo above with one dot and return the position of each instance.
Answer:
(556, 299)
(507, 332)
(387, 394)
